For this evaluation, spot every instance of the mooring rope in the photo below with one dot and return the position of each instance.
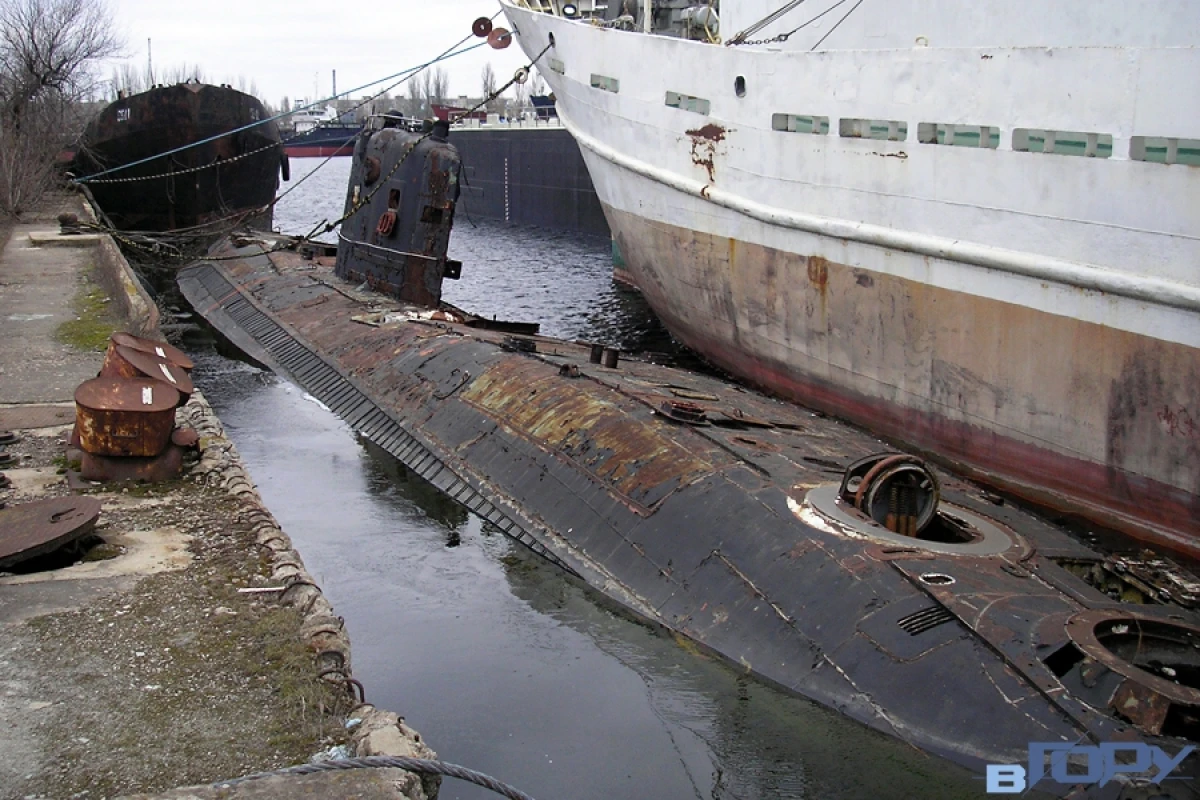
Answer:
(422, 766)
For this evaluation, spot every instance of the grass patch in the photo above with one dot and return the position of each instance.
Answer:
(93, 322)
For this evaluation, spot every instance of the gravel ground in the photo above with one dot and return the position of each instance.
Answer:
(160, 680)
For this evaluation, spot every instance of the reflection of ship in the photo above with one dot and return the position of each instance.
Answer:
(907, 599)
(230, 175)
(931, 218)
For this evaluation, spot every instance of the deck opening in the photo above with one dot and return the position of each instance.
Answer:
(1063, 660)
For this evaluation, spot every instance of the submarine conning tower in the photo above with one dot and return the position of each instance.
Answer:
(400, 208)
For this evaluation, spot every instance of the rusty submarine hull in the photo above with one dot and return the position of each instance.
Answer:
(796, 547)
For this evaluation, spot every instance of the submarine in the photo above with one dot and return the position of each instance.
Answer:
(800, 549)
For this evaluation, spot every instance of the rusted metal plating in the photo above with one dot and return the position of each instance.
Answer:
(163, 350)
(127, 362)
(396, 239)
(125, 416)
(712, 530)
(41, 526)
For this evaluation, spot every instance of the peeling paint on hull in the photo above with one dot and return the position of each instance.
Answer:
(944, 372)
(710, 530)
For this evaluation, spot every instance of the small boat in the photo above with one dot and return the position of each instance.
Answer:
(228, 173)
(320, 135)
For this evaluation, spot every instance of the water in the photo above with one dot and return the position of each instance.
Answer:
(502, 663)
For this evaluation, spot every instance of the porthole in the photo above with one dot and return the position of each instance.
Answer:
(739, 86)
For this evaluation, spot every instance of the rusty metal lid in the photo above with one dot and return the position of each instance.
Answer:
(150, 365)
(42, 526)
(160, 349)
(126, 394)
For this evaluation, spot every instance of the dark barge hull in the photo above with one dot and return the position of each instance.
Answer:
(236, 174)
(722, 531)
(527, 176)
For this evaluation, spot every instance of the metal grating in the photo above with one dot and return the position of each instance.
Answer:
(926, 619)
(333, 388)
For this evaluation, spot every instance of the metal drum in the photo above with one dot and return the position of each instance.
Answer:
(160, 349)
(126, 362)
(125, 416)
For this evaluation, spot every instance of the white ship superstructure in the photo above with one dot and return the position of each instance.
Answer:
(972, 227)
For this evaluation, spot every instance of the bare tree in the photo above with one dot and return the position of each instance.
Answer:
(489, 86)
(416, 101)
(48, 53)
(128, 79)
(427, 93)
(183, 73)
(441, 84)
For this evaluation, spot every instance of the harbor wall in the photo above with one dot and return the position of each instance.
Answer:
(174, 551)
(114, 274)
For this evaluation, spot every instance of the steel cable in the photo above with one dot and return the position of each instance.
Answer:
(422, 766)
(407, 74)
(326, 226)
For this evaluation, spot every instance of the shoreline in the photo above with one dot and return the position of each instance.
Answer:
(146, 665)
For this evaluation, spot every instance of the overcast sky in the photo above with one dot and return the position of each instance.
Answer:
(286, 47)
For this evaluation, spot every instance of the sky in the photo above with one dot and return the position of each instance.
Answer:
(288, 47)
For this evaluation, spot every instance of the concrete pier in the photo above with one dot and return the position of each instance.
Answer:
(191, 646)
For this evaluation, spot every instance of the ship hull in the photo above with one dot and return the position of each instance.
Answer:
(926, 292)
(191, 187)
(319, 150)
(323, 142)
(528, 176)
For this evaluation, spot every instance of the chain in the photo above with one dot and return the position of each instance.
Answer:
(446, 55)
(157, 249)
(783, 37)
(518, 77)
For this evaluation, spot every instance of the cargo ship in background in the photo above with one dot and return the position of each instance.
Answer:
(320, 134)
(233, 176)
(969, 228)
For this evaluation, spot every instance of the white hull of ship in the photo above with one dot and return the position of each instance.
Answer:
(1031, 318)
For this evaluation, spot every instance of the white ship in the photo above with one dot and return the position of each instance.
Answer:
(971, 227)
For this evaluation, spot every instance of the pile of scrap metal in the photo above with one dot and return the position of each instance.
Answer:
(125, 417)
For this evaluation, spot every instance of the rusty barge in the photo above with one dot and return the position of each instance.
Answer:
(232, 175)
(792, 545)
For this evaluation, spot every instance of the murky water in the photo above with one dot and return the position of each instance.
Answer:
(504, 664)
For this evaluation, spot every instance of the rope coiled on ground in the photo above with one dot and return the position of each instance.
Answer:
(423, 766)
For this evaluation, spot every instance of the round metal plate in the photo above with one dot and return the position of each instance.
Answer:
(126, 394)
(481, 27)
(160, 369)
(499, 38)
(42, 526)
(160, 349)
